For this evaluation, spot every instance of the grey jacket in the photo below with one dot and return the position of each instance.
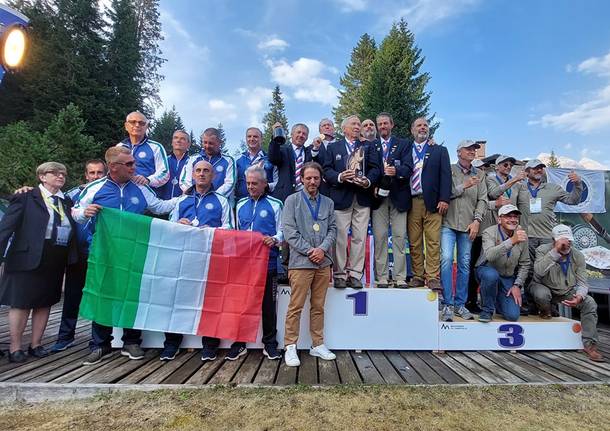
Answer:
(299, 234)
(547, 271)
(466, 205)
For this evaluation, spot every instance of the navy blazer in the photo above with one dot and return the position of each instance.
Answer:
(27, 218)
(435, 177)
(342, 194)
(283, 157)
(400, 190)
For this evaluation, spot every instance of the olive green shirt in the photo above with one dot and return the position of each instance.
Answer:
(541, 224)
(519, 196)
(547, 271)
(466, 205)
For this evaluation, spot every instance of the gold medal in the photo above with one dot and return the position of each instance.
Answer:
(316, 227)
(322, 137)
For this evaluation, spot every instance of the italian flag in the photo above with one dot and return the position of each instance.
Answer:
(146, 273)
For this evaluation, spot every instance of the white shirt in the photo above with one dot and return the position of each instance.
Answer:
(48, 200)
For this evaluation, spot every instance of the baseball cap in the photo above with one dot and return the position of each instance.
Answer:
(534, 163)
(467, 143)
(503, 158)
(478, 163)
(507, 209)
(561, 231)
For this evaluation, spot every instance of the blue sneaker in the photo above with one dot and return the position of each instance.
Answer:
(208, 354)
(236, 350)
(169, 353)
(485, 317)
(271, 352)
(62, 345)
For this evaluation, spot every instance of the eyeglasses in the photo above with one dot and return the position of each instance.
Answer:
(128, 164)
(57, 173)
(137, 122)
(507, 164)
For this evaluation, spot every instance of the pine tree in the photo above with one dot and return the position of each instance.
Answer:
(396, 84)
(223, 140)
(358, 72)
(553, 161)
(163, 129)
(276, 113)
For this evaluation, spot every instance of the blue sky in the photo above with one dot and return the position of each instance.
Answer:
(528, 77)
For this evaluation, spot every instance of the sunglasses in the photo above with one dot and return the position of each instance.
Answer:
(507, 164)
(137, 122)
(128, 164)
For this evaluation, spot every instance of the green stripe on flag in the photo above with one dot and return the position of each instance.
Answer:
(116, 262)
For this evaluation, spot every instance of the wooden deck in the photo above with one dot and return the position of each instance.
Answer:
(366, 367)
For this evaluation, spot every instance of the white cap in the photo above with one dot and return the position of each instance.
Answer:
(507, 209)
(501, 159)
(534, 163)
(467, 144)
(561, 231)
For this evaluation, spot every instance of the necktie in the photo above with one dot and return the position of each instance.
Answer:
(416, 176)
(385, 148)
(56, 219)
(298, 164)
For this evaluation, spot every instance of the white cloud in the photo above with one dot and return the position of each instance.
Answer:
(304, 77)
(590, 115)
(221, 111)
(352, 5)
(255, 100)
(273, 43)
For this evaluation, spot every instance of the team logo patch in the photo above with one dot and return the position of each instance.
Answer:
(338, 157)
(142, 154)
(220, 168)
(209, 206)
(135, 200)
(263, 213)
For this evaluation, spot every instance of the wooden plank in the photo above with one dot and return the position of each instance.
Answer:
(43, 372)
(348, 373)
(366, 368)
(207, 370)
(475, 367)
(247, 371)
(286, 375)
(543, 368)
(328, 373)
(403, 367)
(266, 372)
(308, 371)
(458, 368)
(441, 369)
(521, 369)
(227, 371)
(494, 368)
(567, 369)
(581, 359)
(385, 368)
(116, 360)
(427, 373)
(183, 373)
(141, 372)
(113, 374)
(597, 373)
(167, 368)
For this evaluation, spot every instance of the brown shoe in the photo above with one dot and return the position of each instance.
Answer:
(544, 311)
(435, 284)
(593, 353)
(416, 282)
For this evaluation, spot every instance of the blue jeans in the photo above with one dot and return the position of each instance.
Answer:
(449, 240)
(494, 288)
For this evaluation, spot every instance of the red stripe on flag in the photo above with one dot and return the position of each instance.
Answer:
(235, 286)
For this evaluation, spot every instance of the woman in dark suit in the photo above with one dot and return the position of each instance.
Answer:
(36, 243)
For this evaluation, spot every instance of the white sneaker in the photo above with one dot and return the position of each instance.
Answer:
(291, 358)
(322, 352)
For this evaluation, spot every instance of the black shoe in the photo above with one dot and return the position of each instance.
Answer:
(282, 278)
(339, 283)
(237, 350)
(354, 283)
(381, 286)
(524, 310)
(473, 307)
(169, 353)
(208, 354)
(17, 356)
(271, 351)
(38, 352)
(402, 286)
(97, 355)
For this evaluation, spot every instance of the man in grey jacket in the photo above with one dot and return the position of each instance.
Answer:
(504, 254)
(310, 230)
(560, 275)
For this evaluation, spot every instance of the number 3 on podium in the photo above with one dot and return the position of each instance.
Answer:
(360, 302)
(513, 338)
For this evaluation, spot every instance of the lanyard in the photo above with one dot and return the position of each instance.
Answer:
(508, 191)
(533, 192)
(252, 214)
(314, 214)
(57, 208)
(565, 265)
(178, 168)
(503, 239)
(420, 154)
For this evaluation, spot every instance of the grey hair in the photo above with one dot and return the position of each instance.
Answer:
(346, 119)
(260, 133)
(50, 167)
(188, 136)
(299, 125)
(136, 112)
(325, 120)
(255, 169)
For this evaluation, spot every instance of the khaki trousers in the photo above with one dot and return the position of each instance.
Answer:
(383, 217)
(301, 282)
(422, 223)
(352, 265)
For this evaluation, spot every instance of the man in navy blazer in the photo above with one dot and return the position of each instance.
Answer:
(429, 200)
(351, 193)
(391, 202)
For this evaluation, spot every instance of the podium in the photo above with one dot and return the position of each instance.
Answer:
(398, 319)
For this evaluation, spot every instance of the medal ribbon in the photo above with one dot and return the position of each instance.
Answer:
(314, 214)
(57, 208)
(565, 265)
(503, 239)
(533, 192)
(420, 154)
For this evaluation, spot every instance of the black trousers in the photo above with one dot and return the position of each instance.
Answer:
(73, 293)
(473, 284)
(101, 336)
(269, 315)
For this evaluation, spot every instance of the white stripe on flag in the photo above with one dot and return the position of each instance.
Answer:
(175, 271)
